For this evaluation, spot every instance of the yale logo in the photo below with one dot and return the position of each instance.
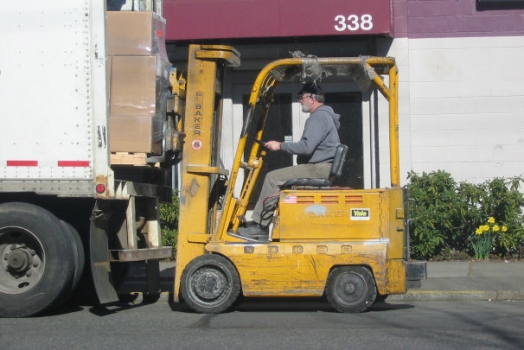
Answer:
(360, 214)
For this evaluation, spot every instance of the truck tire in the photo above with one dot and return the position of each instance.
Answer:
(351, 289)
(37, 261)
(210, 284)
(79, 256)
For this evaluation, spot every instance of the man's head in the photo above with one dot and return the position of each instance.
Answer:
(310, 97)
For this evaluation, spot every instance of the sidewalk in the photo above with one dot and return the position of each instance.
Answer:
(446, 281)
(470, 281)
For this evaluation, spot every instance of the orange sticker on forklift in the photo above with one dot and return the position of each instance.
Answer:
(360, 214)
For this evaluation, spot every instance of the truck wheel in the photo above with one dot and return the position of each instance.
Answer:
(210, 284)
(37, 262)
(351, 289)
(79, 255)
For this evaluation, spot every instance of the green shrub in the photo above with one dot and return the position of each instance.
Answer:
(169, 222)
(505, 205)
(435, 210)
(445, 214)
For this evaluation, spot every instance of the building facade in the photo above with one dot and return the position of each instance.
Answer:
(461, 87)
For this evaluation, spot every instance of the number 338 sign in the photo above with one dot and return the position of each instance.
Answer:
(353, 22)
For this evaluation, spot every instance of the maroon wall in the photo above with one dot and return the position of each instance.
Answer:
(211, 19)
(456, 18)
(215, 19)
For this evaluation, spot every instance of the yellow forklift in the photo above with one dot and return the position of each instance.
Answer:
(349, 245)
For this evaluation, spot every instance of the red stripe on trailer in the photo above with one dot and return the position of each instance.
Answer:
(22, 163)
(73, 163)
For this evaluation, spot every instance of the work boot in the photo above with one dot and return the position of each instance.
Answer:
(253, 229)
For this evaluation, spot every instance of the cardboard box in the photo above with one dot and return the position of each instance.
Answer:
(133, 85)
(138, 94)
(138, 134)
(135, 33)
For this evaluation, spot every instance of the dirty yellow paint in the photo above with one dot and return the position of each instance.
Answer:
(314, 230)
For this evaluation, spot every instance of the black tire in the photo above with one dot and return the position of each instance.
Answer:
(37, 262)
(210, 284)
(79, 254)
(351, 289)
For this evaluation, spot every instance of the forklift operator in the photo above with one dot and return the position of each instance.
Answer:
(315, 152)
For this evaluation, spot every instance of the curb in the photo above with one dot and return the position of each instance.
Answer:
(459, 295)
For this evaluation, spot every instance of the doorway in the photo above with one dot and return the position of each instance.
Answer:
(349, 106)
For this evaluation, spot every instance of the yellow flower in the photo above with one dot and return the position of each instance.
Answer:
(496, 228)
(478, 231)
(504, 228)
(491, 220)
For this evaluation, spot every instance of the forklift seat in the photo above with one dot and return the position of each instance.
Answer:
(310, 183)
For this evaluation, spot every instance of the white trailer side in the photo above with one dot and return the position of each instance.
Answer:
(53, 98)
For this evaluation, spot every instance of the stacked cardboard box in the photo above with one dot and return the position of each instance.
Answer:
(139, 70)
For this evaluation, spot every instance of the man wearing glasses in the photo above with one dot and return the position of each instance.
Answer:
(315, 151)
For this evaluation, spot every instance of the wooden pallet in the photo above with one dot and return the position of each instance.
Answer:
(125, 158)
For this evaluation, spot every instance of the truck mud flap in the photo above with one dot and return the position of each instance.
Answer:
(100, 265)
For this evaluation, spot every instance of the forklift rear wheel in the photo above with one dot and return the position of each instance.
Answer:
(351, 289)
(210, 284)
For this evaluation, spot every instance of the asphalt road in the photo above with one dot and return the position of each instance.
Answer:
(268, 324)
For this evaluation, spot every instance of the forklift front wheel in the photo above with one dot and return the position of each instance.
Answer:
(210, 284)
(351, 289)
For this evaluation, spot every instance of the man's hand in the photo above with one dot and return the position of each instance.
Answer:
(273, 145)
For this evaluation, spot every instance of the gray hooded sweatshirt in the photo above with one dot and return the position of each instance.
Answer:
(319, 139)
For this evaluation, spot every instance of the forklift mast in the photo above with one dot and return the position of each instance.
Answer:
(202, 176)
